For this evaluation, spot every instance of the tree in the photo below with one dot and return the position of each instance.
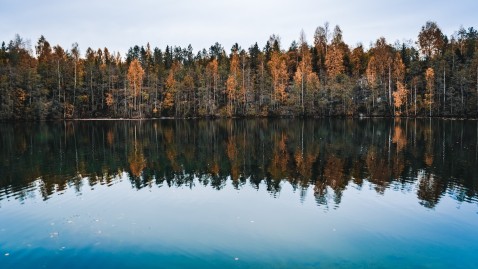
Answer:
(359, 61)
(398, 73)
(188, 89)
(304, 78)
(372, 78)
(232, 82)
(430, 80)
(75, 53)
(321, 40)
(382, 53)
(135, 78)
(400, 97)
(213, 74)
(430, 39)
(171, 88)
(278, 69)
(334, 62)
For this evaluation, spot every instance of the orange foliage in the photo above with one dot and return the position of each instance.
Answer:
(212, 67)
(135, 76)
(171, 85)
(278, 68)
(400, 96)
(398, 67)
(334, 61)
(231, 87)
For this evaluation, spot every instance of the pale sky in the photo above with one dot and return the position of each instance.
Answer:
(121, 24)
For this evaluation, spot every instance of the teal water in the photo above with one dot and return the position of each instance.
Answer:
(239, 194)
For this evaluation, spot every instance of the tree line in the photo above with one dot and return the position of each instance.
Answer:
(435, 76)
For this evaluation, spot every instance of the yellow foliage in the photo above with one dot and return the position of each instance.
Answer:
(135, 76)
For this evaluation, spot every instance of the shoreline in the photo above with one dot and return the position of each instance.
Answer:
(241, 118)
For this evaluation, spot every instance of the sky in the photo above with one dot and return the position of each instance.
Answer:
(120, 24)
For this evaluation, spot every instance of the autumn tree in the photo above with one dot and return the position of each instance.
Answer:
(372, 78)
(358, 61)
(321, 42)
(212, 71)
(75, 53)
(171, 88)
(278, 69)
(189, 94)
(430, 39)
(400, 97)
(304, 78)
(430, 93)
(398, 73)
(334, 62)
(232, 83)
(135, 78)
(382, 54)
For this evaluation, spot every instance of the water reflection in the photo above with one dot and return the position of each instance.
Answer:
(430, 157)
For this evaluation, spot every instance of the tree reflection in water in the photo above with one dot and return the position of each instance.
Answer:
(326, 155)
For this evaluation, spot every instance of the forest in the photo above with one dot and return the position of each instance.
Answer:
(436, 76)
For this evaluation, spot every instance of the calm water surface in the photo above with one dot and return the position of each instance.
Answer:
(239, 194)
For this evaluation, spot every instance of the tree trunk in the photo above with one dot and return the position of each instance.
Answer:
(415, 100)
(59, 82)
(444, 90)
(390, 86)
(91, 90)
(302, 83)
(243, 84)
(461, 89)
(74, 92)
(125, 99)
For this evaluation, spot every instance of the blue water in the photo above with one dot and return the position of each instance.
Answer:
(169, 227)
(107, 221)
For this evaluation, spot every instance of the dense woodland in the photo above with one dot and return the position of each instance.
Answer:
(435, 76)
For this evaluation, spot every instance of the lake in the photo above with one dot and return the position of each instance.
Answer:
(284, 193)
